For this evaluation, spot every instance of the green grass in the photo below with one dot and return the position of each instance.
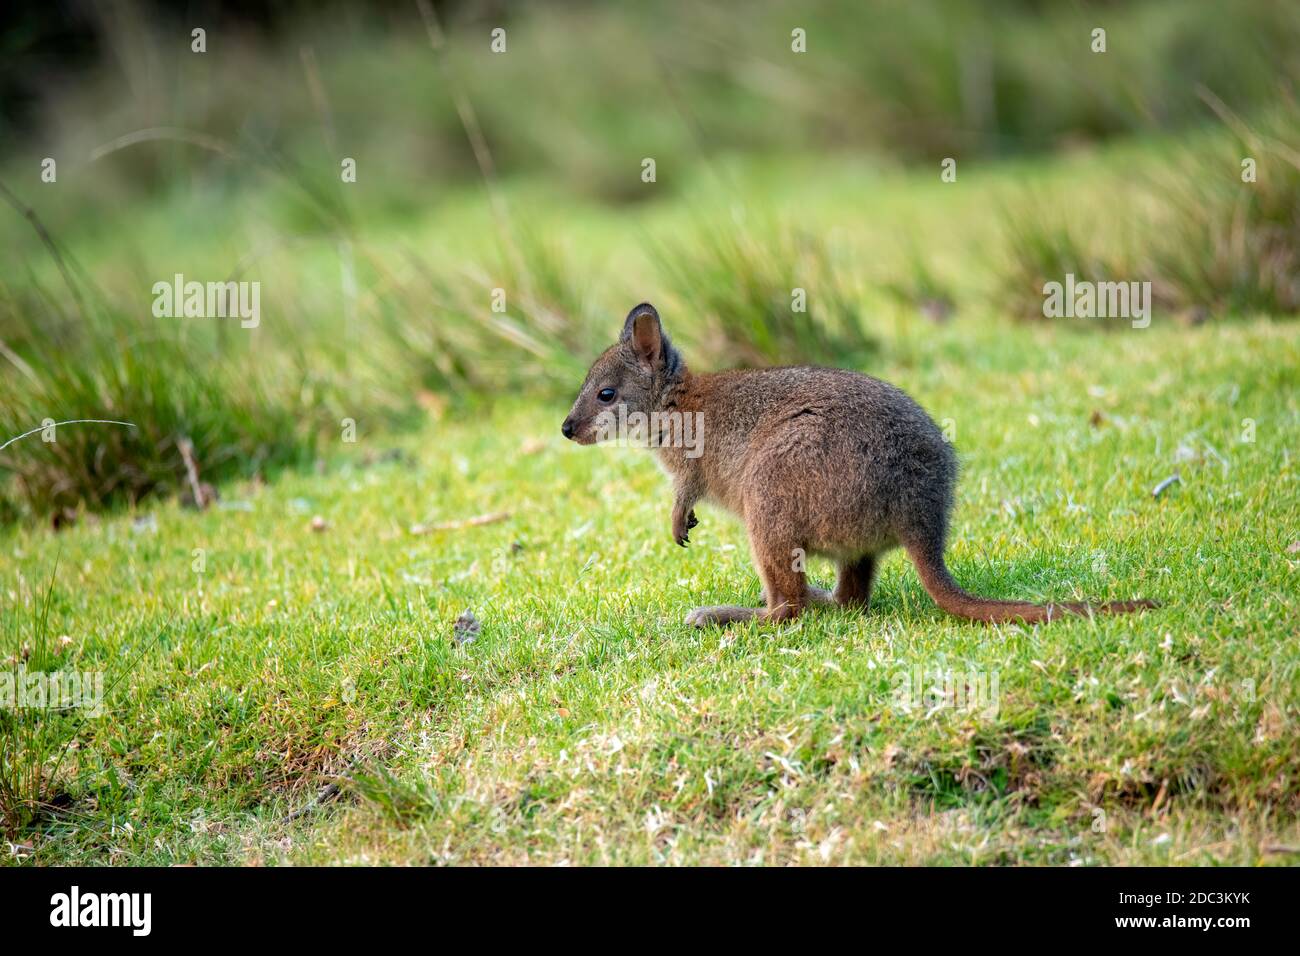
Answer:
(254, 660)
(587, 724)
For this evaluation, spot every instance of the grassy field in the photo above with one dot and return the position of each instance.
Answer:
(587, 724)
(283, 679)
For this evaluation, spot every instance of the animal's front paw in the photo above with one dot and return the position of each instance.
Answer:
(682, 528)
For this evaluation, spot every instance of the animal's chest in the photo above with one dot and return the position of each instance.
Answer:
(714, 472)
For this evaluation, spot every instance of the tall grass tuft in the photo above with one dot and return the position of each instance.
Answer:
(1215, 244)
(764, 296)
(36, 731)
(541, 337)
(33, 739)
(1039, 248)
(1232, 246)
(518, 320)
(28, 739)
(238, 426)
(917, 287)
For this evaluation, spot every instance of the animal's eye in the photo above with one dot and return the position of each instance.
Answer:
(606, 395)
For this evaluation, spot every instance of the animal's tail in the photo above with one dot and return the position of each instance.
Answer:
(949, 596)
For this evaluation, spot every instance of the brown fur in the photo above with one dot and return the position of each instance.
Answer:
(814, 461)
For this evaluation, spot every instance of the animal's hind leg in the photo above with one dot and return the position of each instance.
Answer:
(785, 586)
(856, 578)
(813, 595)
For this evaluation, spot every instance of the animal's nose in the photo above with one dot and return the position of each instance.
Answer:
(567, 428)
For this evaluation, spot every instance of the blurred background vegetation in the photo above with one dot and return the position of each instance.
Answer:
(773, 170)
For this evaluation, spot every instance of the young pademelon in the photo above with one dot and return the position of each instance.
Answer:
(815, 461)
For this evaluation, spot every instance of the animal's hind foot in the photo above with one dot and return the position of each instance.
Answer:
(721, 615)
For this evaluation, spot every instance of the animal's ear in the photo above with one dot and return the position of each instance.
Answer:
(643, 330)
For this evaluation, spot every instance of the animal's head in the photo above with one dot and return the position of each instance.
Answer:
(630, 376)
